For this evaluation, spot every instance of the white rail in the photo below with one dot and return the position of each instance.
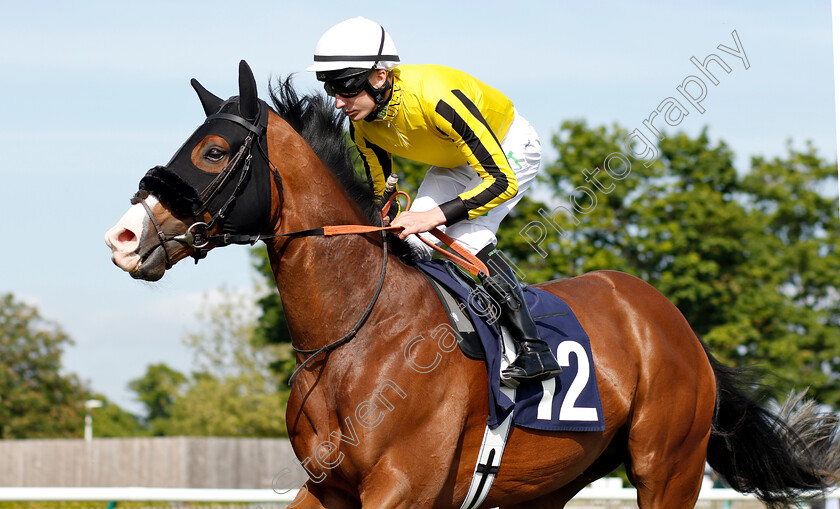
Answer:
(135, 494)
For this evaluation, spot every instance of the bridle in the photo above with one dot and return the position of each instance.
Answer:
(198, 238)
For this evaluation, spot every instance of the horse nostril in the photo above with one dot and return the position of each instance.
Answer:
(120, 238)
(126, 236)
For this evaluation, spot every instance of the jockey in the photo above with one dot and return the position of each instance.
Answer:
(483, 156)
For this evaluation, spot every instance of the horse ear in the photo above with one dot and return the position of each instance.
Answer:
(209, 102)
(248, 103)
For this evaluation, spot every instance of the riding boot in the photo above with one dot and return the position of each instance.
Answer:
(534, 360)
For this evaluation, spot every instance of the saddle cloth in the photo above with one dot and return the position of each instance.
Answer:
(568, 402)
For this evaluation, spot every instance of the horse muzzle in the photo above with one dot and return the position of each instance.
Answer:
(136, 247)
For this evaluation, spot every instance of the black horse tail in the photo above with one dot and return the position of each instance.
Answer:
(781, 458)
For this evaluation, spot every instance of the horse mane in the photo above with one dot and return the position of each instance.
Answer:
(322, 127)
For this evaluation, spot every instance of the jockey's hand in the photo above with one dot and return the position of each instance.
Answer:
(418, 222)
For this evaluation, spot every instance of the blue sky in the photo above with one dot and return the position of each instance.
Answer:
(98, 92)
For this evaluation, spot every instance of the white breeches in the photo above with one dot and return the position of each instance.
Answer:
(522, 146)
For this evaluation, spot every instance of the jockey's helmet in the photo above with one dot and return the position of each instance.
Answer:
(357, 43)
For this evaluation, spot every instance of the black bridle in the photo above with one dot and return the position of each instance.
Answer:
(197, 235)
(198, 238)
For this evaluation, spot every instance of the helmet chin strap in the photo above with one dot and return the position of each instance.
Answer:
(380, 94)
(380, 98)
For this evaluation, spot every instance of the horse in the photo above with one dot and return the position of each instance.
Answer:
(373, 432)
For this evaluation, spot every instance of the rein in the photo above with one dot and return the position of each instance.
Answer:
(315, 353)
(466, 260)
(198, 238)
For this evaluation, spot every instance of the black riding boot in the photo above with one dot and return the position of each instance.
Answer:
(534, 360)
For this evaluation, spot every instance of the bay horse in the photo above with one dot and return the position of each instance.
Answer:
(373, 432)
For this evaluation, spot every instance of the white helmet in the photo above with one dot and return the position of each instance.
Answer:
(355, 43)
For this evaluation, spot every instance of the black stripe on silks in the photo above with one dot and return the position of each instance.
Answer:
(472, 108)
(454, 211)
(364, 159)
(381, 156)
(485, 159)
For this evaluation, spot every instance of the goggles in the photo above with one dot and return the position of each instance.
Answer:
(350, 86)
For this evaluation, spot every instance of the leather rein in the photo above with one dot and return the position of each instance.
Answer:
(198, 238)
(464, 259)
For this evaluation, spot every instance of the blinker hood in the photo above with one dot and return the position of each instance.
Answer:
(180, 184)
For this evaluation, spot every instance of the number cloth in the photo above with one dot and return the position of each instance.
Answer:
(568, 402)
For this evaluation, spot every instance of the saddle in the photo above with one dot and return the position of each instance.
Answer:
(468, 339)
(569, 402)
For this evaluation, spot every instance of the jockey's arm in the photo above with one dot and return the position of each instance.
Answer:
(462, 122)
(419, 222)
(482, 150)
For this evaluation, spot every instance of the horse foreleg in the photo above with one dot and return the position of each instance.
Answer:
(305, 499)
(388, 488)
(312, 496)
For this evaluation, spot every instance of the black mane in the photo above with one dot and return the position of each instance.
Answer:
(322, 127)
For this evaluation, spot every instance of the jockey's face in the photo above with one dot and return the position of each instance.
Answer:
(360, 106)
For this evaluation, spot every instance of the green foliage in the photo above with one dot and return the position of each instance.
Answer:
(235, 392)
(230, 406)
(411, 174)
(36, 399)
(232, 392)
(111, 421)
(752, 261)
(157, 390)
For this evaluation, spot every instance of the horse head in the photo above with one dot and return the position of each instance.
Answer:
(215, 190)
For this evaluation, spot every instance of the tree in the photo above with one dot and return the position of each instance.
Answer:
(231, 406)
(36, 399)
(232, 391)
(750, 260)
(157, 390)
(791, 309)
(111, 421)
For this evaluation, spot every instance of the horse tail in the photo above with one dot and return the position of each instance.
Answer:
(781, 458)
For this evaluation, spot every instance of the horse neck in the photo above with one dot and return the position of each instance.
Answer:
(324, 282)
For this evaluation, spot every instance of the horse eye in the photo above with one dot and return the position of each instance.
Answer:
(214, 154)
